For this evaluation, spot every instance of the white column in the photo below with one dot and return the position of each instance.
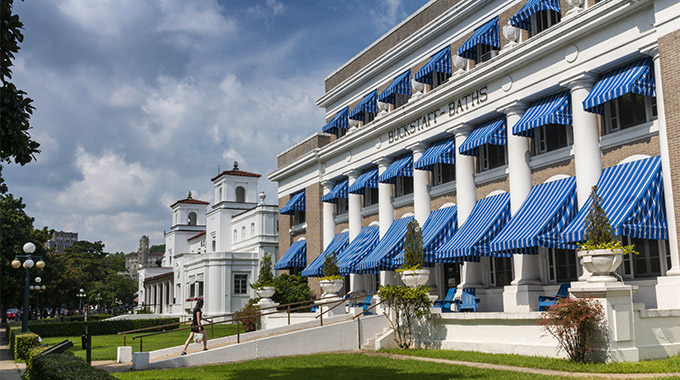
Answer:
(385, 213)
(421, 186)
(354, 205)
(385, 207)
(666, 168)
(328, 215)
(466, 196)
(356, 283)
(587, 154)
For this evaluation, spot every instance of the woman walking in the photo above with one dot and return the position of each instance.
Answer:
(196, 327)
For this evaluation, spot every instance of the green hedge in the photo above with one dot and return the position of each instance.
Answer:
(99, 328)
(63, 367)
(21, 343)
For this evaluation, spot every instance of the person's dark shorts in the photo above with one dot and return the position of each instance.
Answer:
(197, 329)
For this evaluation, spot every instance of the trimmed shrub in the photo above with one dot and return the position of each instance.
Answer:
(291, 288)
(63, 367)
(249, 316)
(101, 327)
(22, 343)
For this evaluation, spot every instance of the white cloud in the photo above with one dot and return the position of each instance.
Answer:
(388, 14)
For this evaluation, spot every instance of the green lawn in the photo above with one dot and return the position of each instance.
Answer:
(104, 347)
(651, 366)
(328, 367)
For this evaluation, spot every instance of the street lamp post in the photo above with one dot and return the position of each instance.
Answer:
(28, 263)
(81, 294)
(38, 288)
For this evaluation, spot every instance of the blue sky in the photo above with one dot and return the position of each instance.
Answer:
(138, 102)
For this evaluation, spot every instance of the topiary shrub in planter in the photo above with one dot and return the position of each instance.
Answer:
(63, 367)
(332, 281)
(576, 324)
(264, 286)
(601, 254)
(405, 306)
(413, 274)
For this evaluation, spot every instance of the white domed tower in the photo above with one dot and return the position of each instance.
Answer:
(188, 219)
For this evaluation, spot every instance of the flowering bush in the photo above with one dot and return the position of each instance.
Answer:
(575, 323)
(408, 305)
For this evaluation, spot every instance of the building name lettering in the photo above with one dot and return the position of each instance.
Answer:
(455, 108)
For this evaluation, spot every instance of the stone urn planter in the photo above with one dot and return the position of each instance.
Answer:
(331, 287)
(415, 278)
(601, 263)
(265, 293)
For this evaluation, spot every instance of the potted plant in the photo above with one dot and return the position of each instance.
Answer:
(413, 274)
(332, 281)
(264, 286)
(601, 254)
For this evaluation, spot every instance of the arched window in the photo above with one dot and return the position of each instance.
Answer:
(192, 218)
(240, 194)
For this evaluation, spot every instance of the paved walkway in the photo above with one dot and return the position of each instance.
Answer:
(538, 371)
(8, 369)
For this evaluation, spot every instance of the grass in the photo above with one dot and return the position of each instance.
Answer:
(329, 367)
(104, 347)
(671, 364)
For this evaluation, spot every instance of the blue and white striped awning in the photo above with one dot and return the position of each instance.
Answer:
(548, 208)
(337, 245)
(472, 239)
(636, 77)
(367, 179)
(490, 132)
(440, 62)
(438, 228)
(487, 34)
(441, 152)
(368, 104)
(402, 167)
(523, 18)
(339, 191)
(296, 203)
(295, 256)
(388, 246)
(358, 248)
(339, 121)
(632, 198)
(554, 109)
(400, 85)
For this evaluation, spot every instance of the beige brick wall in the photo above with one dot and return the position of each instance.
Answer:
(441, 200)
(648, 146)
(503, 20)
(341, 226)
(669, 52)
(543, 174)
(399, 212)
(316, 141)
(284, 227)
(366, 220)
(485, 189)
(314, 219)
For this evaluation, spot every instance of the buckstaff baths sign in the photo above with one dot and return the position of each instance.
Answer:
(456, 107)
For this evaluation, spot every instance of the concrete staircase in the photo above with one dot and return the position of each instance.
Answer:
(339, 333)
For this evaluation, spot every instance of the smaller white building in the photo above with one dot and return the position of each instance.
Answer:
(214, 251)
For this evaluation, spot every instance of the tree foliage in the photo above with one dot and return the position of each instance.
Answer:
(266, 275)
(291, 288)
(598, 234)
(15, 107)
(330, 267)
(575, 324)
(406, 306)
(157, 248)
(413, 246)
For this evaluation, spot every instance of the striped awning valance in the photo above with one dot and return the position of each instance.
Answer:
(295, 256)
(439, 62)
(358, 248)
(296, 203)
(438, 229)
(636, 77)
(490, 132)
(337, 245)
(402, 167)
(400, 85)
(554, 109)
(441, 152)
(487, 34)
(338, 191)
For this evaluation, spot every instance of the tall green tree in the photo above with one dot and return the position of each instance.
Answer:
(15, 107)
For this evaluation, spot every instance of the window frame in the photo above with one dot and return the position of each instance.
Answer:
(485, 53)
(443, 173)
(240, 289)
(540, 137)
(483, 159)
(371, 197)
(439, 79)
(494, 270)
(545, 23)
(613, 106)
(341, 206)
(403, 186)
(552, 255)
(628, 268)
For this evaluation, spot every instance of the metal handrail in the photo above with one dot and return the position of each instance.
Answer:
(367, 310)
(355, 296)
(236, 319)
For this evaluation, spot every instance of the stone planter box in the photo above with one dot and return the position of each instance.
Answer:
(331, 287)
(601, 263)
(415, 278)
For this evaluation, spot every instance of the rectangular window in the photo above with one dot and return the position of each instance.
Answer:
(628, 111)
(543, 20)
(243, 232)
(500, 270)
(562, 265)
(403, 186)
(451, 275)
(342, 206)
(370, 196)
(192, 290)
(214, 245)
(400, 100)
(368, 117)
(252, 229)
(490, 156)
(438, 79)
(551, 137)
(235, 236)
(240, 284)
(443, 173)
(200, 289)
(485, 52)
(298, 217)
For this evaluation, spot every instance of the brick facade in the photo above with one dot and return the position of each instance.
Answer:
(308, 145)
(669, 55)
(441, 200)
(284, 227)
(399, 212)
(541, 175)
(648, 146)
(314, 219)
(499, 184)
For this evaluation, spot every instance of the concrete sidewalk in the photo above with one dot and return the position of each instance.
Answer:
(9, 370)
